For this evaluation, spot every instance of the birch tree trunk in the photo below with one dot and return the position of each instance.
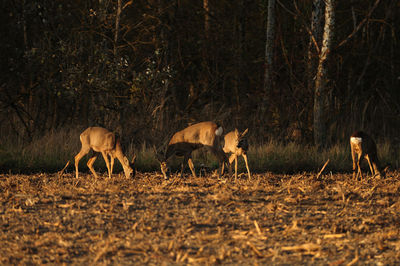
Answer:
(320, 95)
(269, 48)
(315, 41)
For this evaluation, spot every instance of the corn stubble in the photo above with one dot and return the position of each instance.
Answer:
(272, 219)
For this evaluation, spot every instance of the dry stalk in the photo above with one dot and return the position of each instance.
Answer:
(308, 247)
(370, 193)
(256, 251)
(294, 226)
(330, 236)
(101, 252)
(257, 228)
(322, 169)
(355, 260)
(60, 173)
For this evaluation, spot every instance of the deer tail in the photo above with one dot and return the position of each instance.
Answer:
(219, 131)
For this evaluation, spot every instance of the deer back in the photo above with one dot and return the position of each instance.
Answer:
(230, 144)
(363, 143)
(194, 137)
(99, 139)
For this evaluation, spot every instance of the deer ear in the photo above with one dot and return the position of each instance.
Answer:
(134, 159)
(245, 132)
(126, 161)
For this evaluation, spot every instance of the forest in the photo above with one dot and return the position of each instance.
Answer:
(298, 76)
(305, 71)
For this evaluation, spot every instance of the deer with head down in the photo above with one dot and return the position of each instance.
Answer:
(100, 140)
(237, 144)
(363, 146)
(184, 142)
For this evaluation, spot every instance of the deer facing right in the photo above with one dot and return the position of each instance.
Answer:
(236, 144)
(100, 140)
(363, 146)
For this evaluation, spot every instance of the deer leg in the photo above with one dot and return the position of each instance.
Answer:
(370, 165)
(359, 173)
(111, 162)
(184, 162)
(247, 165)
(236, 163)
(105, 156)
(377, 171)
(188, 160)
(191, 166)
(223, 166)
(373, 165)
(354, 158)
(376, 166)
(230, 161)
(90, 164)
(78, 157)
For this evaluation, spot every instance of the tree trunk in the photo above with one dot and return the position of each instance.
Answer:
(205, 53)
(238, 51)
(269, 48)
(117, 19)
(320, 96)
(315, 41)
(206, 18)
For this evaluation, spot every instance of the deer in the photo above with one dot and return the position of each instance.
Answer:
(236, 144)
(101, 140)
(184, 142)
(363, 146)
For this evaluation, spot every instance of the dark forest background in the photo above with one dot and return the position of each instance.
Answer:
(148, 68)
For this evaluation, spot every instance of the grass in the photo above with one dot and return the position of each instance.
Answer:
(50, 153)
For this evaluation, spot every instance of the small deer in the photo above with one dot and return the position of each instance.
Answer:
(184, 142)
(364, 146)
(100, 140)
(236, 144)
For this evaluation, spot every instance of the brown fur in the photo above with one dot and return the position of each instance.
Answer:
(100, 140)
(196, 136)
(236, 144)
(363, 146)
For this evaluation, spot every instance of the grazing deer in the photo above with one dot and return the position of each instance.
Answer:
(100, 140)
(364, 146)
(184, 142)
(236, 144)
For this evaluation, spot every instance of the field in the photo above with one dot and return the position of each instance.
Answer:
(272, 219)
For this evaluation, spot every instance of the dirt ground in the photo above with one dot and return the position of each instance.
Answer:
(272, 219)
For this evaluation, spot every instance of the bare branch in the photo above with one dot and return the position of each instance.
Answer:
(351, 35)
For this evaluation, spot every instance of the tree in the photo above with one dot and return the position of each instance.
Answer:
(315, 40)
(269, 45)
(321, 82)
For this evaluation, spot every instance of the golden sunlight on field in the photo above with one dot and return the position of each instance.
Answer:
(270, 219)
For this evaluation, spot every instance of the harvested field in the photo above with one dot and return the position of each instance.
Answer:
(273, 219)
